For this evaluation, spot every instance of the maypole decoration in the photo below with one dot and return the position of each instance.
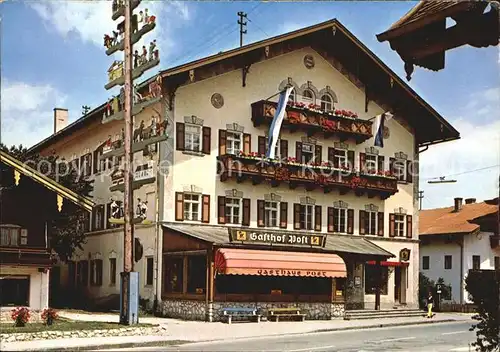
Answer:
(123, 107)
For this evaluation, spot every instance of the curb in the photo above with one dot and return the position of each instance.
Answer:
(164, 343)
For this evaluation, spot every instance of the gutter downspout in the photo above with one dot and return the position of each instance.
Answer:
(461, 244)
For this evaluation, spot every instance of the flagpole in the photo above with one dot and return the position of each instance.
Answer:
(279, 92)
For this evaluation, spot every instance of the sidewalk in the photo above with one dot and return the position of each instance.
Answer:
(178, 331)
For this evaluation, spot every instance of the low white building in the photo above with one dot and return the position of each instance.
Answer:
(456, 239)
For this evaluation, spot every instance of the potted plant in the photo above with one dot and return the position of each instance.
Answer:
(49, 315)
(20, 315)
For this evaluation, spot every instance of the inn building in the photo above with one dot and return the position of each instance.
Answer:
(330, 225)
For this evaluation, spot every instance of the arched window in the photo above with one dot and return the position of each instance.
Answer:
(308, 96)
(326, 102)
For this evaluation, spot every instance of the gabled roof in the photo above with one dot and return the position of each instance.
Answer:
(442, 221)
(82, 201)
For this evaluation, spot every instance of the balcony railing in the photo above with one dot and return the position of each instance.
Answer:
(25, 256)
(294, 174)
(341, 123)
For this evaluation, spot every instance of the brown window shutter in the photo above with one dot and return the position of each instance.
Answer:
(380, 223)
(92, 224)
(245, 221)
(179, 206)
(331, 156)
(409, 171)
(222, 142)
(381, 163)
(362, 222)
(179, 136)
(298, 151)
(261, 147)
(205, 208)
(283, 215)
(221, 208)
(317, 218)
(283, 148)
(108, 215)
(206, 145)
(330, 219)
(247, 143)
(362, 161)
(350, 221)
(318, 153)
(260, 213)
(350, 159)
(409, 228)
(95, 161)
(392, 225)
(391, 165)
(296, 216)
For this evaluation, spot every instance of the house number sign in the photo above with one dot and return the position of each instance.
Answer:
(257, 237)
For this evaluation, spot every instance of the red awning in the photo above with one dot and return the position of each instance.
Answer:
(232, 261)
(372, 262)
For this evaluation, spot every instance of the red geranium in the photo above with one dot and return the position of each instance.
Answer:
(20, 315)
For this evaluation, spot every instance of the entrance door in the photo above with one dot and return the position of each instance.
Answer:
(397, 284)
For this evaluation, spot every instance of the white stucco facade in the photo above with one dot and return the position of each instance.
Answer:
(38, 297)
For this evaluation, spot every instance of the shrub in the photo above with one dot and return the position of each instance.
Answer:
(20, 315)
(49, 315)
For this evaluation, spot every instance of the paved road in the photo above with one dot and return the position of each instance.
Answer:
(442, 337)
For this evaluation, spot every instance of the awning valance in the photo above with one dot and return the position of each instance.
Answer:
(233, 261)
(372, 262)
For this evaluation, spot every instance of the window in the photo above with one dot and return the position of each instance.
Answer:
(425, 262)
(173, 274)
(340, 157)
(340, 220)
(149, 271)
(371, 163)
(291, 98)
(371, 222)
(476, 262)
(192, 135)
(447, 262)
(96, 272)
(271, 214)
(371, 276)
(307, 153)
(233, 143)
(497, 263)
(326, 102)
(98, 218)
(277, 154)
(306, 216)
(112, 271)
(308, 96)
(15, 290)
(399, 225)
(191, 207)
(400, 169)
(197, 271)
(233, 210)
(9, 236)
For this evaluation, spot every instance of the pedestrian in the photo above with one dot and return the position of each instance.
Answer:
(430, 303)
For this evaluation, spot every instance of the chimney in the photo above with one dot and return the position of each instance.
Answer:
(60, 119)
(458, 204)
(470, 200)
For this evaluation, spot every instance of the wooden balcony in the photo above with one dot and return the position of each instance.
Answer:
(25, 256)
(314, 121)
(259, 170)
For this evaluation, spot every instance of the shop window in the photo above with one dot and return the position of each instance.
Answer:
(173, 274)
(112, 271)
(425, 262)
(447, 262)
(307, 153)
(326, 102)
(371, 278)
(340, 220)
(197, 273)
(476, 262)
(233, 143)
(306, 216)
(233, 210)
(192, 137)
(270, 214)
(191, 207)
(149, 271)
(96, 272)
(340, 285)
(14, 290)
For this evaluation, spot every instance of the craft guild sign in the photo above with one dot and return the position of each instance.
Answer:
(404, 255)
(279, 238)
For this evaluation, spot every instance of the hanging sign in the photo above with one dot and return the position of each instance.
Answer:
(289, 239)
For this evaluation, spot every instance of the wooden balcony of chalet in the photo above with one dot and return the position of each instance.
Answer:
(311, 176)
(25, 256)
(311, 119)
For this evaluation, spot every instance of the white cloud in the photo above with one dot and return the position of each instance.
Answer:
(90, 20)
(27, 112)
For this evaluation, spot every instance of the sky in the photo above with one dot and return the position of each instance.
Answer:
(52, 55)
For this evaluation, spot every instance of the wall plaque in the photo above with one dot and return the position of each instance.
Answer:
(262, 237)
(404, 255)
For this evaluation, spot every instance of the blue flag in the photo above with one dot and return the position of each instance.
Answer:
(274, 129)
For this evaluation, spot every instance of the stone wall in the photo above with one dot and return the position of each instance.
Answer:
(183, 309)
(35, 316)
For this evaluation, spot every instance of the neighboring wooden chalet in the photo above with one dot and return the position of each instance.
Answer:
(422, 37)
(29, 200)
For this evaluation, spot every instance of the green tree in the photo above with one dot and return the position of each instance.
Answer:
(484, 287)
(67, 228)
(424, 285)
